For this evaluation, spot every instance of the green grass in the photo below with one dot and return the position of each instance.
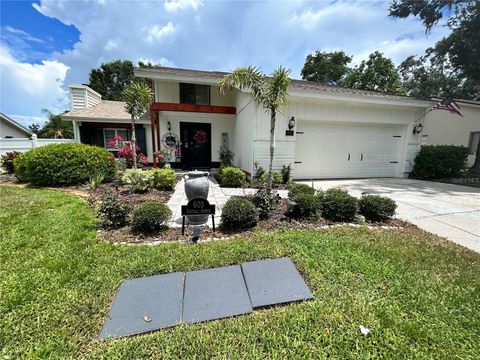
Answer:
(418, 294)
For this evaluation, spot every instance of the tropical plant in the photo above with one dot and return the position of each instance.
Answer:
(125, 151)
(138, 180)
(268, 91)
(165, 154)
(137, 97)
(55, 127)
(286, 173)
(7, 161)
(226, 156)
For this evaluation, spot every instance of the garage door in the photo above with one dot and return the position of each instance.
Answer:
(330, 150)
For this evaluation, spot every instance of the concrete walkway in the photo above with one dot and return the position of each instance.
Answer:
(450, 211)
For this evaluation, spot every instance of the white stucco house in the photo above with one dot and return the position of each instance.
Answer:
(10, 129)
(336, 132)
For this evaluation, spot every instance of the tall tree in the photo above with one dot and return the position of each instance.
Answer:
(460, 50)
(34, 128)
(326, 67)
(378, 73)
(137, 97)
(56, 127)
(268, 91)
(112, 78)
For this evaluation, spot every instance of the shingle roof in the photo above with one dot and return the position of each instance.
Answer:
(302, 85)
(107, 109)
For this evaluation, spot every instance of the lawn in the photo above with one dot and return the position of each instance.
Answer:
(418, 294)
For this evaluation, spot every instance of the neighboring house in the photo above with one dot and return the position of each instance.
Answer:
(444, 128)
(324, 132)
(10, 129)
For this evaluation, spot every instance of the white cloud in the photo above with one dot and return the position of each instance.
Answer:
(23, 34)
(156, 32)
(111, 45)
(28, 88)
(175, 5)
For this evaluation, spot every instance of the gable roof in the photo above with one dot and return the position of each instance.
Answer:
(15, 124)
(107, 109)
(169, 73)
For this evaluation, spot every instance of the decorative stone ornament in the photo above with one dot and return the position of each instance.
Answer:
(197, 186)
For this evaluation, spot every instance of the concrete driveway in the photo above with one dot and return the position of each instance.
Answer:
(451, 211)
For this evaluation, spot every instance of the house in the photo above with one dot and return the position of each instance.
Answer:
(10, 129)
(324, 132)
(444, 128)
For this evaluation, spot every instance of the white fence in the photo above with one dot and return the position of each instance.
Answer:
(24, 144)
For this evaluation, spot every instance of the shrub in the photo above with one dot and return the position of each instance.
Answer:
(7, 161)
(113, 210)
(299, 189)
(338, 205)
(226, 156)
(376, 208)
(277, 177)
(138, 180)
(64, 164)
(151, 216)
(259, 171)
(437, 161)
(286, 173)
(308, 207)
(239, 213)
(232, 176)
(263, 201)
(163, 179)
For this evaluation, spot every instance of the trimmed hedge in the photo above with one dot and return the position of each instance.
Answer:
(439, 161)
(277, 177)
(138, 180)
(376, 208)
(151, 216)
(338, 205)
(64, 164)
(308, 207)
(231, 176)
(299, 189)
(163, 179)
(239, 213)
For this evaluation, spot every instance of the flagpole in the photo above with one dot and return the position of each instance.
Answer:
(425, 114)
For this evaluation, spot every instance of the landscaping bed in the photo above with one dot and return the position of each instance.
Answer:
(416, 292)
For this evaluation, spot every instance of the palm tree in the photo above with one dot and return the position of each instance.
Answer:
(137, 97)
(55, 127)
(270, 92)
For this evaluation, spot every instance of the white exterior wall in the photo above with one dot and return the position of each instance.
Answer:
(169, 91)
(337, 112)
(243, 132)
(82, 97)
(7, 129)
(444, 128)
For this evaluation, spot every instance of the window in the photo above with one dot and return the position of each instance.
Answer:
(473, 142)
(194, 94)
(109, 134)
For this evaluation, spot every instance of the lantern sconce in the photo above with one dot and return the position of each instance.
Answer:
(417, 129)
(291, 123)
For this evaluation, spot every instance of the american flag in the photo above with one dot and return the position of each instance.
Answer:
(448, 104)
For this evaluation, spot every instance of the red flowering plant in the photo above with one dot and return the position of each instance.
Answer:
(165, 154)
(125, 151)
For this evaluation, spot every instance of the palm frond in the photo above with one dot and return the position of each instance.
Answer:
(245, 78)
(137, 97)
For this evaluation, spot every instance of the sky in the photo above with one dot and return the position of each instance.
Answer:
(46, 45)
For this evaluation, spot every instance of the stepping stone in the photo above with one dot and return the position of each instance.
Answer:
(214, 294)
(145, 304)
(274, 281)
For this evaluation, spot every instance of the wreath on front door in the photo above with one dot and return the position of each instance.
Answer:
(200, 137)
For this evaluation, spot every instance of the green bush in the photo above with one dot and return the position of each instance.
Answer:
(7, 161)
(299, 189)
(277, 177)
(239, 213)
(113, 210)
(264, 202)
(439, 161)
(338, 205)
(138, 180)
(151, 216)
(64, 164)
(232, 176)
(376, 208)
(286, 173)
(163, 179)
(308, 207)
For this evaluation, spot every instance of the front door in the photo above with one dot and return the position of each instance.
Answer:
(196, 145)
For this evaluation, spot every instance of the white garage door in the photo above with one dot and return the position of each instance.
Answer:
(330, 150)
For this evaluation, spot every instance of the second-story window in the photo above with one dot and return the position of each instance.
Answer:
(194, 94)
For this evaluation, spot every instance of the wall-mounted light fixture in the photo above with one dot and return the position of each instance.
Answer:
(169, 127)
(417, 129)
(291, 123)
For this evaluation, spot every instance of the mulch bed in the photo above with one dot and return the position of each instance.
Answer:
(277, 221)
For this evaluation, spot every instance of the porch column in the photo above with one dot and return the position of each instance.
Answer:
(159, 141)
(152, 130)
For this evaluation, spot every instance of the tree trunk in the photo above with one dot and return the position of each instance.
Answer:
(272, 149)
(476, 164)
(133, 144)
